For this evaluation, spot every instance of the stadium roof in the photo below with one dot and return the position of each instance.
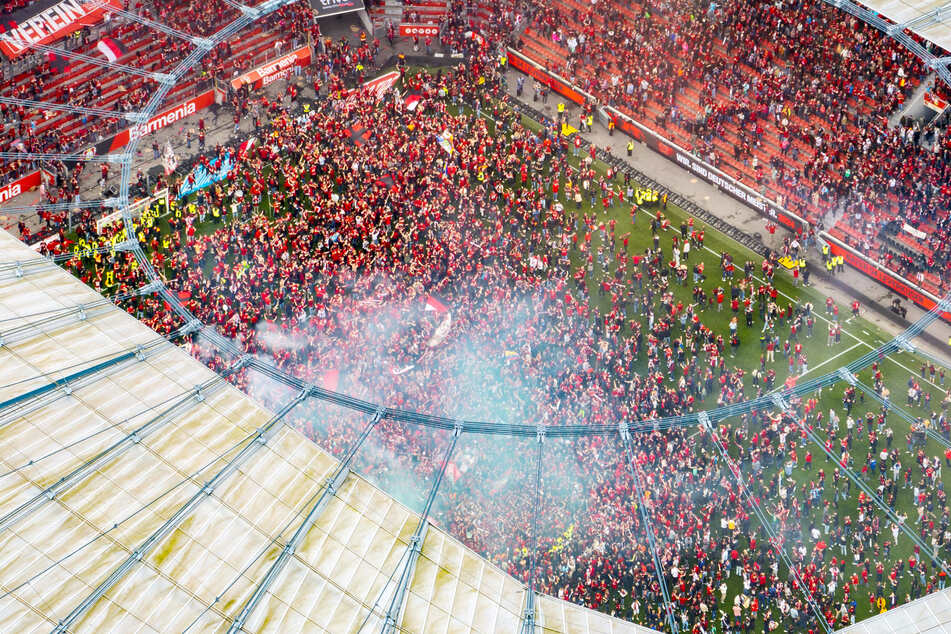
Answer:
(930, 614)
(139, 491)
(930, 19)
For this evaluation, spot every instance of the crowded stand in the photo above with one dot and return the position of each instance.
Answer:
(431, 249)
(451, 267)
(801, 115)
(37, 77)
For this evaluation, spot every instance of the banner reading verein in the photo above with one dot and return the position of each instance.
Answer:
(54, 23)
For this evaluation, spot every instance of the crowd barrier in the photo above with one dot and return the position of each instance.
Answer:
(725, 183)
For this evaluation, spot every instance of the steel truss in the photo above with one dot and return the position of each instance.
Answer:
(897, 32)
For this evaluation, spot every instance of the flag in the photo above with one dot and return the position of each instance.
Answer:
(330, 380)
(436, 304)
(445, 141)
(411, 102)
(58, 63)
(442, 331)
(169, 161)
(246, 147)
(112, 49)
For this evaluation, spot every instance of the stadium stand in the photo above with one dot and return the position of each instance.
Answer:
(801, 115)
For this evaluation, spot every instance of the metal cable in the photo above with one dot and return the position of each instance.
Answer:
(737, 474)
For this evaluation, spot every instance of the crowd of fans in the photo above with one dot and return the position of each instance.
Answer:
(467, 266)
(793, 98)
(459, 265)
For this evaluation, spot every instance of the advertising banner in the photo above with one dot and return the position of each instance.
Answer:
(23, 184)
(165, 118)
(325, 8)
(278, 69)
(901, 286)
(555, 83)
(53, 23)
(422, 30)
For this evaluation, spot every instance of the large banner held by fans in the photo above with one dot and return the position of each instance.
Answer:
(52, 23)
(325, 8)
(202, 177)
(165, 118)
(278, 69)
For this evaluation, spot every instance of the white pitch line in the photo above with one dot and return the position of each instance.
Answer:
(830, 359)
(815, 312)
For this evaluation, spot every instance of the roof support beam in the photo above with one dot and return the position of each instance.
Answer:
(158, 26)
(63, 383)
(49, 156)
(896, 32)
(648, 527)
(917, 424)
(135, 117)
(333, 485)
(252, 443)
(394, 613)
(75, 476)
(89, 59)
(925, 19)
(530, 616)
(83, 204)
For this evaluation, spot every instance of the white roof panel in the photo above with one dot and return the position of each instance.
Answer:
(931, 19)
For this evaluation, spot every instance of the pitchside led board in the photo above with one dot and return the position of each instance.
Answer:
(325, 8)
